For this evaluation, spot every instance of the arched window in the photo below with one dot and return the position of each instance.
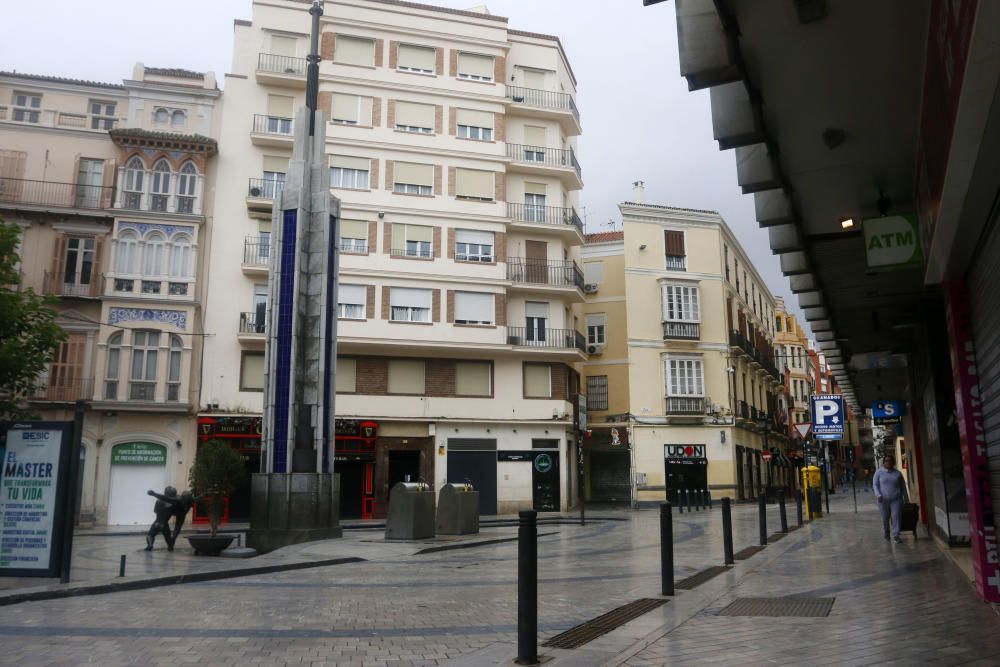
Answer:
(135, 171)
(174, 369)
(152, 255)
(127, 253)
(161, 116)
(160, 187)
(142, 375)
(180, 256)
(186, 181)
(114, 364)
(178, 118)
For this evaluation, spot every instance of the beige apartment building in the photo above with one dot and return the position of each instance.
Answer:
(452, 147)
(794, 362)
(683, 393)
(110, 184)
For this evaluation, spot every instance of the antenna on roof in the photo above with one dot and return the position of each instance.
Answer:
(611, 223)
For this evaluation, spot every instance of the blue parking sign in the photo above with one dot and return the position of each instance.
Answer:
(828, 416)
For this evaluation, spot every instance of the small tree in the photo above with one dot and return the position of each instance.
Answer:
(217, 471)
(29, 335)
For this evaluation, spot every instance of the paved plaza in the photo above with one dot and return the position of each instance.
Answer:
(899, 604)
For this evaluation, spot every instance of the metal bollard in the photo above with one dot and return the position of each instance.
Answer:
(762, 519)
(527, 587)
(781, 511)
(680, 499)
(666, 549)
(727, 531)
(121, 566)
(701, 498)
(798, 506)
(708, 496)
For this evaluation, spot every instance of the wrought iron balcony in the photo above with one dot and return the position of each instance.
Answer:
(548, 157)
(48, 193)
(276, 125)
(562, 339)
(252, 323)
(263, 188)
(59, 387)
(546, 99)
(676, 263)
(744, 410)
(81, 286)
(682, 330)
(257, 251)
(544, 215)
(269, 62)
(543, 272)
(685, 405)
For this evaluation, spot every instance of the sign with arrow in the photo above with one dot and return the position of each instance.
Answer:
(828, 416)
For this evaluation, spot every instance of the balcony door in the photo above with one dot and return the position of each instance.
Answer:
(78, 265)
(65, 381)
(536, 317)
(536, 255)
(89, 179)
(259, 307)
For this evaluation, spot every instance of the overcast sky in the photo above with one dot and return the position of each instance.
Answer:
(639, 120)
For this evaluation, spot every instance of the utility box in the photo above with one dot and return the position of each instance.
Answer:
(411, 512)
(812, 484)
(458, 510)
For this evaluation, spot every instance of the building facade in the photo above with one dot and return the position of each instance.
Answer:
(451, 145)
(110, 184)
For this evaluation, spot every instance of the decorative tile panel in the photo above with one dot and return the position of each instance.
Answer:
(175, 318)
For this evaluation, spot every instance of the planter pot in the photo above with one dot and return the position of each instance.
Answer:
(206, 545)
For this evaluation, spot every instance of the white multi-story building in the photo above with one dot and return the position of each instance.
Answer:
(451, 145)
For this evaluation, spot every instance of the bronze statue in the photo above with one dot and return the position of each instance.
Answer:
(181, 509)
(163, 509)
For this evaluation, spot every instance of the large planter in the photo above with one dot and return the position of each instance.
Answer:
(206, 545)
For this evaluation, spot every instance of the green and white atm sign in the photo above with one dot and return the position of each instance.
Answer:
(892, 242)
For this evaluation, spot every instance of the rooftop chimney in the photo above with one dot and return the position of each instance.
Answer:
(639, 192)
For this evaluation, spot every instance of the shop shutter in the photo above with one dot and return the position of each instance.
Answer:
(355, 51)
(417, 57)
(415, 115)
(474, 183)
(473, 64)
(280, 105)
(413, 174)
(474, 118)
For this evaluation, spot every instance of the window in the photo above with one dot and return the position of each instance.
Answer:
(354, 51)
(673, 242)
(152, 255)
(284, 46)
(419, 59)
(347, 375)
(596, 328)
(473, 378)
(351, 301)
(537, 381)
(685, 377)
(102, 115)
(593, 272)
(407, 304)
(412, 117)
(413, 179)
(532, 78)
(142, 376)
(777, 323)
(273, 182)
(473, 308)
(180, 257)
(354, 236)
(349, 172)
(135, 172)
(160, 186)
(161, 116)
(406, 377)
(174, 369)
(112, 372)
(351, 109)
(536, 316)
(259, 309)
(725, 260)
(178, 118)
(680, 303)
(412, 241)
(79, 263)
(473, 246)
(475, 67)
(597, 392)
(26, 107)
(476, 125)
(535, 141)
(252, 371)
(474, 184)
(186, 181)
(127, 253)
(279, 114)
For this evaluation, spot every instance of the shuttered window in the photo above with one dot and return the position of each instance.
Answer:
(534, 136)
(596, 328)
(681, 303)
(349, 172)
(252, 372)
(475, 67)
(413, 117)
(533, 78)
(354, 51)
(412, 240)
(351, 109)
(347, 376)
(283, 46)
(473, 246)
(473, 308)
(673, 244)
(406, 377)
(280, 106)
(420, 59)
(354, 236)
(474, 124)
(537, 381)
(474, 184)
(685, 377)
(593, 272)
(473, 378)
(410, 305)
(351, 301)
(413, 179)
(275, 164)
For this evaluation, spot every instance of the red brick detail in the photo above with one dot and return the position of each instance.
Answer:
(438, 119)
(379, 47)
(451, 243)
(386, 237)
(436, 242)
(451, 181)
(376, 112)
(559, 381)
(385, 302)
(453, 63)
(439, 61)
(373, 235)
(373, 175)
(436, 305)
(393, 54)
(500, 246)
(500, 69)
(389, 164)
(390, 114)
(370, 302)
(327, 46)
(437, 179)
(324, 102)
(372, 376)
(500, 186)
(439, 377)
(500, 310)
(450, 307)
(499, 127)
(452, 121)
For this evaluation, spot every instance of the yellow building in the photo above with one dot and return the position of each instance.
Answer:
(683, 387)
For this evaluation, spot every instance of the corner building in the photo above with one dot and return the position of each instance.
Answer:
(451, 145)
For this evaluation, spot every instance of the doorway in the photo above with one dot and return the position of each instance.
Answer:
(480, 470)
(740, 491)
(351, 488)
(404, 466)
(239, 500)
(536, 255)
(88, 183)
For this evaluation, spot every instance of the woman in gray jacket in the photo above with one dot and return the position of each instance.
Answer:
(890, 492)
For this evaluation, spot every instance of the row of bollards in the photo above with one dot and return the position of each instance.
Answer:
(693, 499)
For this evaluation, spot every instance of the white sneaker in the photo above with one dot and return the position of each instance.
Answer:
(896, 539)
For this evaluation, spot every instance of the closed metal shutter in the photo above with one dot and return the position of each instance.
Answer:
(984, 295)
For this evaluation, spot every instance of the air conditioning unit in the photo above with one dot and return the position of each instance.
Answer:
(595, 349)
(514, 340)
(255, 192)
(590, 288)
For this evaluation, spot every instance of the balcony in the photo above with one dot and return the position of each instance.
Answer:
(75, 286)
(744, 411)
(412, 253)
(558, 339)
(676, 263)
(553, 217)
(538, 160)
(59, 389)
(252, 327)
(546, 104)
(158, 203)
(540, 273)
(271, 131)
(685, 405)
(261, 193)
(18, 192)
(278, 70)
(256, 255)
(681, 330)
(144, 287)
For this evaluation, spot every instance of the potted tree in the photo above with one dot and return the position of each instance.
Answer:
(217, 472)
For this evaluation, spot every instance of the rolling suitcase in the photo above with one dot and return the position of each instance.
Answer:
(908, 518)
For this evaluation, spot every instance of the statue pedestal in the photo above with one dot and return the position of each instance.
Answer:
(291, 508)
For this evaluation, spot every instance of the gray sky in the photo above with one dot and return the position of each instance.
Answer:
(639, 120)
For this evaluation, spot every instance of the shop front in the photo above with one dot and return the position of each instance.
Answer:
(136, 467)
(608, 466)
(354, 461)
(242, 433)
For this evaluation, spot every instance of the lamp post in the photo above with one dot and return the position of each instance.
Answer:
(763, 421)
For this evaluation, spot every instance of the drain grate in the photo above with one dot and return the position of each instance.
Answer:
(602, 625)
(788, 606)
(743, 554)
(701, 577)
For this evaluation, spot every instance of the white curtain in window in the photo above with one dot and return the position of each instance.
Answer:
(351, 301)
(152, 264)
(127, 252)
(180, 256)
(474, 307)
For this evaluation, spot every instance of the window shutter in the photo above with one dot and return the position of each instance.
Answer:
(473, 236)
(534, 136)
(354, 51)
(406, 377)
(347, 373)
(474, 183)
(533, 78)
(472, 378)
(417, 57)
(352, 294)
(474, 118)
(419, 233)
(280, 105)
(534, 189)
(536, 309)
(474, 307)
(413, 174)
(353, 229)
(673, 242)
(275, 164)
(252, 375)
(97, 268)
(283, 46)
(537, 381)
(58, 258)
(410, 297)
(348, 162)
(415, 115)
(475, 65)
(345, 108)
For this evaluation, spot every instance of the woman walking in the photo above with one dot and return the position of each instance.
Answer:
(890, 493)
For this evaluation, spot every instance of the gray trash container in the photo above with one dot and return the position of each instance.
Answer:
(458, 510)
(411, 512)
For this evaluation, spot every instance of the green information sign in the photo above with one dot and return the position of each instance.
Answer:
(139, 454)
(892, 242)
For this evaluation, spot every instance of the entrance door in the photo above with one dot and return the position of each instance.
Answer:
(740, 492)
(88, 183)
(609, 476)
(480, 470)
(536, 256)
(351, 488)
(239, 500)
(404, 466)
(545, 481)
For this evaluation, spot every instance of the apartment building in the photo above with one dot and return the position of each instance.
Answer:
(795, 364)
(451, 145)
(688, 361)
(110, 184)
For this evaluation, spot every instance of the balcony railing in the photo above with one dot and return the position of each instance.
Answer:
(82, 286)
(685, 405)
(276, 125)
(250, 323)
(418, 253)
(545, 215)
(58, 387)
(257, 251)
(545, 99)
(269, 62)
(141, 391)
(549, 157)
(48, 193)
(744, 410)
(261, 188)
(676, 263)
(682, 330)
(544, 272)
(562, 339)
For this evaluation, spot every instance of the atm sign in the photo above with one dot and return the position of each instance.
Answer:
(683, 451)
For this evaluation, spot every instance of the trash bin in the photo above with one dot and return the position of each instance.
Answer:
(411, 512)
(812, 485)
(458, 510)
